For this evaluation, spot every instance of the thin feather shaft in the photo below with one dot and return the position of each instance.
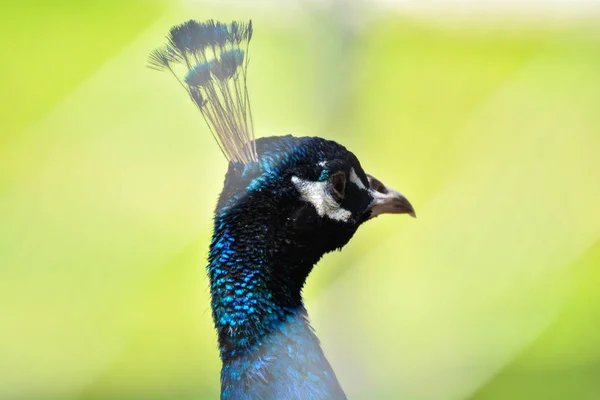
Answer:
(216, 79)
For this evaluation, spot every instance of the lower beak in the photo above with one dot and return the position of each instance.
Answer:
(388, 201)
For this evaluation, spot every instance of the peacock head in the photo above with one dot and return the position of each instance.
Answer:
(306, 196)
(310, 193)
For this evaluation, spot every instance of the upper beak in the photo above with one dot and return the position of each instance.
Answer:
(387, 200)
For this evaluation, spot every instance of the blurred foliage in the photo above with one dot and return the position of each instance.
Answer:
(108, 179)
(51, 47)
(564, 362)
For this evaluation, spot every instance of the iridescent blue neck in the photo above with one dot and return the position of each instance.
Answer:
(266, 344)
(249, 300)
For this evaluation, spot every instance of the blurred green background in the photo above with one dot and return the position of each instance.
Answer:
(490, 125)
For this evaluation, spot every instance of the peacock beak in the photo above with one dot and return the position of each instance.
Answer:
(388, 201)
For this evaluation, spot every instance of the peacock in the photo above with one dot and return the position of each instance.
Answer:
(286, 201)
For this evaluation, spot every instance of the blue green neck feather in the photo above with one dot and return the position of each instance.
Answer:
(267, 346)
(249, 300)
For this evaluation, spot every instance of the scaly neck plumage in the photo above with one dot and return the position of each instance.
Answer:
(267, 346)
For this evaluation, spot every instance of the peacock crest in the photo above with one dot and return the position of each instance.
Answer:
(210, 61)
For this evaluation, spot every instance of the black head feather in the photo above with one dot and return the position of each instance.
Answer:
(276, 189)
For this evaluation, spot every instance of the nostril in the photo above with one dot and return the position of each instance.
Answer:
(376, 185)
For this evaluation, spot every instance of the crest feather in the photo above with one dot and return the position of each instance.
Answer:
(214, 59)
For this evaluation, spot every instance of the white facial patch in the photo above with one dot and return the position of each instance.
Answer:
(356, 180)
(317, 194)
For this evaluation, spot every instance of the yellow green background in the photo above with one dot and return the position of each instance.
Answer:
(108, 179)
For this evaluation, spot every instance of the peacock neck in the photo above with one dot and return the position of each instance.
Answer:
(267, 346)
(252, 295)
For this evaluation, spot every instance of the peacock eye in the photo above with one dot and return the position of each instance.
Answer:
(338, 186)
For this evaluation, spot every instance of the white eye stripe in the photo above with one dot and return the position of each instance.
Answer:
(316, 193)
(356, 180)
